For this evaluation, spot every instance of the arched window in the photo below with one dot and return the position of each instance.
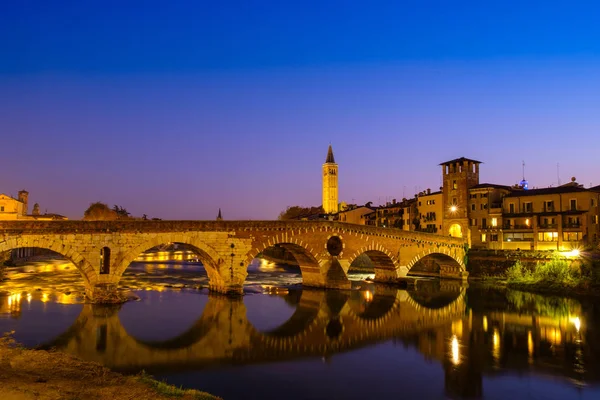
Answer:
(105, 260)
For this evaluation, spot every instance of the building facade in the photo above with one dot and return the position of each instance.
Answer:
(17, 209)
(330, 184)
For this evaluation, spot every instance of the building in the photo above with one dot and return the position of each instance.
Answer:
(17, 209)
(390, 215)
(458, 176)
(560, 218)
(330, 184)
(431, 211)
(11, 208)
(485, 214)
(360, 215)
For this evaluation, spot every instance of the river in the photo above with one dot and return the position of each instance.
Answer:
(440, 340)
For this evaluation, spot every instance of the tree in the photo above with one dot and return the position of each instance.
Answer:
(296, 212)
(121, 212)
(99, 211)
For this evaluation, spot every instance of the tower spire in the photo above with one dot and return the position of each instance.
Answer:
(330, 158)
(219, 217)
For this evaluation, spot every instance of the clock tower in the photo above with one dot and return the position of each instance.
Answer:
(330, 184)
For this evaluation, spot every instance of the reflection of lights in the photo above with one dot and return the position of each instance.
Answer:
(485, 324)
(45, 297)
(29, 298)
(530, 346)
(577, 322)
(368, 296)
(455, 350)
(457, 327)
(496, 346)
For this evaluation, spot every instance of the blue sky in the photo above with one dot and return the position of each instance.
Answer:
(174, 109)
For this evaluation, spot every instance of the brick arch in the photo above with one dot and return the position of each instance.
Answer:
(385, 263)
(208, 256)
(445, 252)
(43, 242)
(305, 256)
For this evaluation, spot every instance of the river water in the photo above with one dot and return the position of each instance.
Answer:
(440, 340)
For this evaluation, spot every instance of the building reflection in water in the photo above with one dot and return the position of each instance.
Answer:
(512, 332)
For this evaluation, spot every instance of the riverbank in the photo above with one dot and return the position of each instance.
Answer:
(47, 375)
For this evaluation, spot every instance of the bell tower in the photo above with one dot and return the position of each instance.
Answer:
(330, 184)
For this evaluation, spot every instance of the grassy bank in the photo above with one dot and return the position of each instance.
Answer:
(36, 374)
(555, 276)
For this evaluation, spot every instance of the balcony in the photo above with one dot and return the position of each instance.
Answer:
(517, 226)
(548, 226)
(572, 225)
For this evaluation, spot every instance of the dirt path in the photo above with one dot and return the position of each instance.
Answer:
(37, 374)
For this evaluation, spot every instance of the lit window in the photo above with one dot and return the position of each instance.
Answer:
(483, 237)
(494, 221)
(454, 185)
(527, 222)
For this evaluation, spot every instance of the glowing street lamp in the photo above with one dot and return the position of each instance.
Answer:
(453, 208)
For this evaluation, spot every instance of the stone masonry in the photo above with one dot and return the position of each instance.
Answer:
(324, 250)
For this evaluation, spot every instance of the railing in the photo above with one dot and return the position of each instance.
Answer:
(548, 226)
(572, 225)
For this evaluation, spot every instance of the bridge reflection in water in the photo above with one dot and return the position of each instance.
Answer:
(469, 343)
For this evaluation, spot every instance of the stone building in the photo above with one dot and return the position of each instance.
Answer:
(17, 209)
(458, 176)
(330, 184)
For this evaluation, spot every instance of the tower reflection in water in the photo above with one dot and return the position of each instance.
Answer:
(491, 333)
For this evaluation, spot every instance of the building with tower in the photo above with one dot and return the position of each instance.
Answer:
(330, 184)
(458, 176)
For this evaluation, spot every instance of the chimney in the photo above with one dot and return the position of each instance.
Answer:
(428, 191)
(394, 201)
(23, 196)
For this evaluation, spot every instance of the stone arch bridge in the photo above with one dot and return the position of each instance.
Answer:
(102, 250)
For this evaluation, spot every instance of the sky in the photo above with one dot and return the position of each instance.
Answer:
(176, 109)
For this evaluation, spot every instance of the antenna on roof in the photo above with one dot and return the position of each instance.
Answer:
(523, 169)
(558, 173)
(524, 184)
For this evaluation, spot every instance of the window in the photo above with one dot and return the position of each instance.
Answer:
(472, 207)
(573, 204)
(493, 237)
(595, 219)
(473, 196)
(483, 237)
(518, 237)
(484, 195)
(454, 185)
(572, 236)
(473, 221)
(549, 205)
(548, 236)
(592, 202)
(494, 221)
(105, 260)
(483, 223)
(454, 201)
(1, 208)
(483, 206)
(528, 207)
(511, 208)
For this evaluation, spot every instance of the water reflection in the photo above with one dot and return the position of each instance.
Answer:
(473, 335)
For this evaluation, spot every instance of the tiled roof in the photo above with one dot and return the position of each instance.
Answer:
(461, 160)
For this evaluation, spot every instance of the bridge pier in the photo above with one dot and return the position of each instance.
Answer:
(329, 275)
(104, 293)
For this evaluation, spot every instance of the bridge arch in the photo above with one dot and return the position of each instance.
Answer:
(445, 255)
(207, 255)
(385, 264)
(308, 261)
(58, 246)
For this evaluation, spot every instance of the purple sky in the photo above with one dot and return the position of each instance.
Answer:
(175, 112)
